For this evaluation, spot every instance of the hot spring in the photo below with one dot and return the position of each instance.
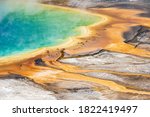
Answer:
(24, 31)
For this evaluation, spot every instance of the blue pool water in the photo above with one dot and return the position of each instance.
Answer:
(21, 31)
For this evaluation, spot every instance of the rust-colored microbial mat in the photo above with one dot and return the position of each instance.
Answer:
(68, 63)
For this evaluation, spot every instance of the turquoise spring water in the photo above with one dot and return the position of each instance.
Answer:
(22, 31)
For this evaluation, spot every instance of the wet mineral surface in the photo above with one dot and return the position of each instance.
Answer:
(124, 70)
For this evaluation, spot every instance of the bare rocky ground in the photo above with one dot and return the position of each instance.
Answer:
(20, 88)
(139, 36)
(16, 87)
(118, 63)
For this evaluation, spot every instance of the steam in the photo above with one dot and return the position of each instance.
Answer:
(8, 6)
